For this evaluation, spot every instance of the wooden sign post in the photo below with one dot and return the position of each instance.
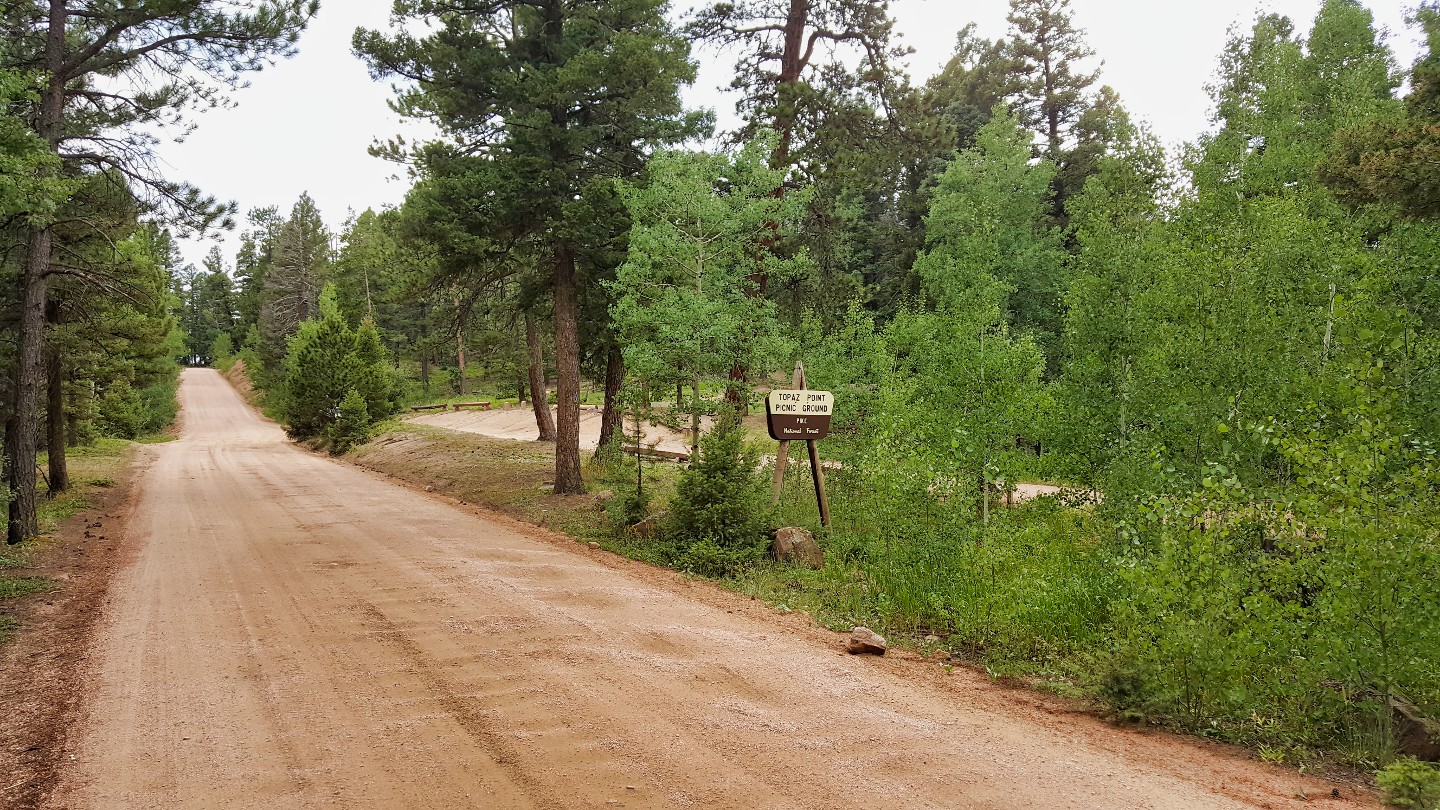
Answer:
(800, 414)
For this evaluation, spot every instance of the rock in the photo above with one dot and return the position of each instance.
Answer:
(864, 641)
(603, 499)
(650, 527)
(796, 545)
(1415, 734)
(595, 545)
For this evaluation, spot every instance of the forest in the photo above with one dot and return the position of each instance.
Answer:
(1225, 353)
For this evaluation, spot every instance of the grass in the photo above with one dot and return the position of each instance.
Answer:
(508, 476)
(93, 469)
(16, 587)
(13, 586)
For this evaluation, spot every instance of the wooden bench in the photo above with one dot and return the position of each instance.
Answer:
(481, 405)
(670, 455)
(427, 407)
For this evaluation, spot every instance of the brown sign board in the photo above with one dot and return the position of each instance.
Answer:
(799, 416)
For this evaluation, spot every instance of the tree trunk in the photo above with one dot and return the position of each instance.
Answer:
(31, 376)
(460, 359)
(793, 62)
(695, 420)
(538, 399)
(31, 359)
(567, 376)
(7, 460)
(55, 422)
(610, 415)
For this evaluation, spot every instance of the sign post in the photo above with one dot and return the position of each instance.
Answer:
(800, 414)
(783, 460)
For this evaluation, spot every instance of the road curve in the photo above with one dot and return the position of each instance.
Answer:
(293, 633)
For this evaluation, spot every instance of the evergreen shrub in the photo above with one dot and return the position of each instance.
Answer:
(718, 515)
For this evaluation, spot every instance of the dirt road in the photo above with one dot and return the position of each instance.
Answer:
(295, 633)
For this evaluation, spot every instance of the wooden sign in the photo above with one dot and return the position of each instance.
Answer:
(799, 415)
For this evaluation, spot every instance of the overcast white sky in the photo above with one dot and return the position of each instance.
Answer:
(305, 124)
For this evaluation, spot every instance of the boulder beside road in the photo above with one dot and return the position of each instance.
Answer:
(864, 641)
(796, 545)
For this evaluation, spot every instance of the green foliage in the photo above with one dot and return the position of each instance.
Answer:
(130, 413)
(718, 514)
(1044, 53)
(293, 280)
(630, 508)
(352, 426)
(23, 586)
(27, 187)
(988, 248)
(686, 305)
(560, 99)
(326, 361)
(1391, 160)
(1028, 588)
(222, 352)
(1411, 784)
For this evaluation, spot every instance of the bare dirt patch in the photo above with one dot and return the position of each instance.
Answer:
(519, 424)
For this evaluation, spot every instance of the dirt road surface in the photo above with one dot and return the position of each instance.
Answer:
(292, 632)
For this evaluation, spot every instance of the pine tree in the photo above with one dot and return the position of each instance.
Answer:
(1392, 161)
(783, 85)
(293, 280)
(562, 96)
(967, 89)
(325, 362)
(1045, 51)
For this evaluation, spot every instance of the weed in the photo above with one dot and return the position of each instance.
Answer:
(12, 588)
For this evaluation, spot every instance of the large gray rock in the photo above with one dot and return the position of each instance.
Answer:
(796, 545)
(864, 641)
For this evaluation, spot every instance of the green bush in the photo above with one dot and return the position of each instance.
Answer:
(708, 558)
(222, 352)
(1411, 784)
(1031, 586)
(129, 413)
(326, 361)
(718, 514)
(630, 508)
(352, 426)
